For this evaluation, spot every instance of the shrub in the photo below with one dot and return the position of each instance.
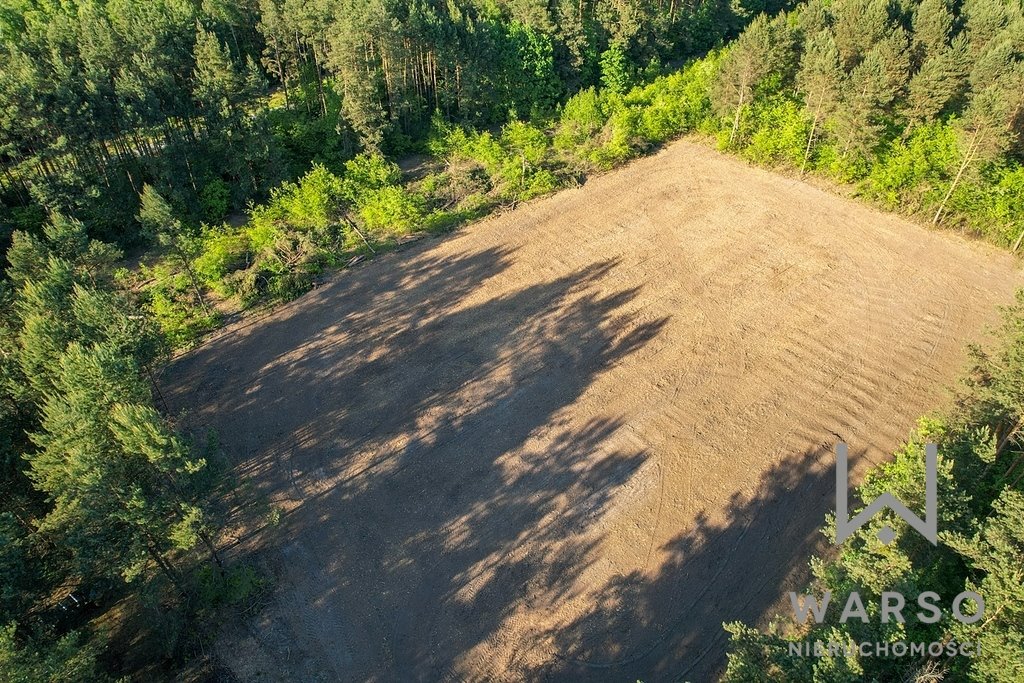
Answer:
(1005, 207)
(181, 321)
(524, 149)
(391, 210)
(781, 132)
(908, 175)
(215, 200)
(222, 252)
(580, 120)
(312, 203)
(540, 183)
(622, 139)
(366, 173)
(229, 587)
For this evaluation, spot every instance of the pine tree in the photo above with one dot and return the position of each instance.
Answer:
(814, 17)
(156, 216)
(996, 554)
(113, 470)
(764, 48)
(857, 121)
(66, 239)
(984, 20)
(219, 88)
(180, 478)
(820, 80)
(932, 29)
(47, 324)
(995, 390)
(859, 25)
(941, 80)
(996, 62)
(894, 54)
(985, 131)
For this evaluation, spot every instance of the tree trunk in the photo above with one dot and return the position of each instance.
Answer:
(736, 118)
(810, 138)
(187, 266)
(956, 180)
(213, 551)
(169, 571)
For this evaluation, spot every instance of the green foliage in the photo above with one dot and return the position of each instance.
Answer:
(905, 176)
(534, 86)
(517, 163)
(223, 252)
(390, 210)
(581, 118)
(181, 322)
(620, 139)
(231, 587)
(1002, 215)
(756, 657)
(758, 62)
(981, 515)
(69, 658)
(781, 132)
(615, 70)
(215, 200)
(308, 204)
(368, 173)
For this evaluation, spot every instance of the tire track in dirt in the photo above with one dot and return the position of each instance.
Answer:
(573, 439)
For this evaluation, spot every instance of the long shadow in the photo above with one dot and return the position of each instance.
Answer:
(445, 503)
(668, 627)
(416, 431)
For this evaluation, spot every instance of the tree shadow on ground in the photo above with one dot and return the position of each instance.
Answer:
(446, 504)
(415, 433)
(740, 567)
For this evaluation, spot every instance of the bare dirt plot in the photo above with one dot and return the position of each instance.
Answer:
(572, 440)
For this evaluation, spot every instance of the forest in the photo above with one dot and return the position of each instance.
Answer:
(166, 165)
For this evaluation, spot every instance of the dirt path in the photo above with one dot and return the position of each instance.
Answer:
(572, 440)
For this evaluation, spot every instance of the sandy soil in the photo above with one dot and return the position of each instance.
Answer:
(570, 441)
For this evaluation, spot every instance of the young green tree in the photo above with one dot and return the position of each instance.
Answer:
(984, 132)
(762, 50)
(820, 81)
(48, 272)
(615, 75)
(157, 217)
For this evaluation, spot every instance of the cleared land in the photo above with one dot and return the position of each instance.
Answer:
(572, 440)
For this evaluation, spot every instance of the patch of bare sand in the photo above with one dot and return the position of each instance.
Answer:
(572, 440)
